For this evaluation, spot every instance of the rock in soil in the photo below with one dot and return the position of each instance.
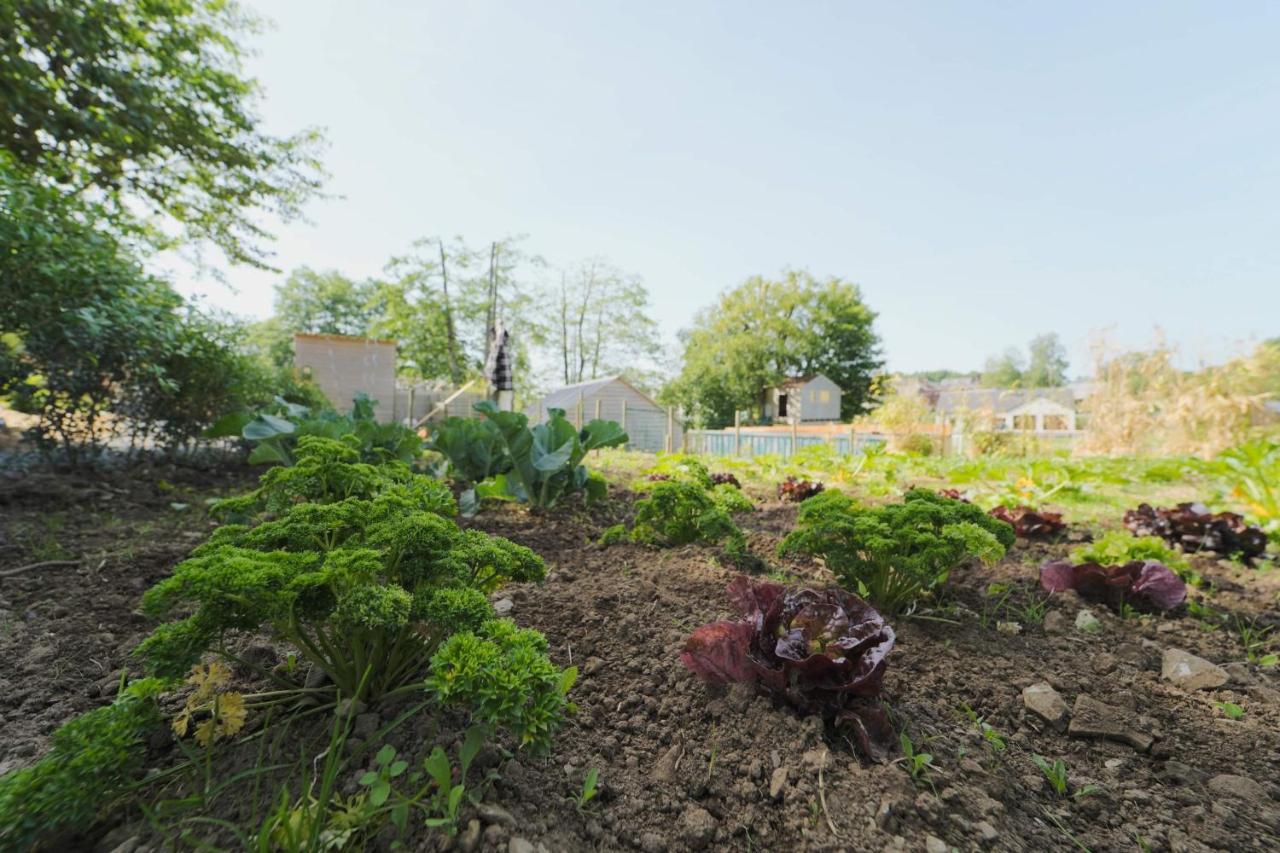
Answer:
(1093, 719)
(697, 827)
(1045, 702)
(1189, 672)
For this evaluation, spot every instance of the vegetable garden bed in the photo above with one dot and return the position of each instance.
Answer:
(1150, 763)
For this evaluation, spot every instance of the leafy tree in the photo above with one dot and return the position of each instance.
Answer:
(87, 334)
(1003, 371)
(764, 331)
(325, 303)
(601, 324)
(1047, 366)
(146, 106)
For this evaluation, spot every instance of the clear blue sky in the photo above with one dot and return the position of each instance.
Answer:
(985, 171)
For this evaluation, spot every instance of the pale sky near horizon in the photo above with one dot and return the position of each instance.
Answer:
(985, 171)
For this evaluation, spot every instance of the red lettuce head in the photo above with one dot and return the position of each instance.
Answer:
(1192, 527)
(1142, 584)
(1028, 523)
(824, 651)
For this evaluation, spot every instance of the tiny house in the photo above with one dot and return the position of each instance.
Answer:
(612, 398)
(803, 399)
(343, 366)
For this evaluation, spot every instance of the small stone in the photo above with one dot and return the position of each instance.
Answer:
(934, 844)
(350, 707)
(502, 607)
(697, 827)
(520, 845)
(665, 768)
(1046, 703)
(495, 814)
(986, 831)
(469, 840)
(1103, 663)
(1055, 622)
(1087, 623)
(778, 783)
(366, 726)
(1010, 628)
(1093, 719)
(591, 666)
(494, 834)
(652, 842)
(1189, 672)
(1240, 787)
(1238, 673)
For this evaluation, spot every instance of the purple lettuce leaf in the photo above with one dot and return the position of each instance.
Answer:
(1142, 584)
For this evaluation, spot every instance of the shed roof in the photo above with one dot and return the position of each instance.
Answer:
(801, 381)
(341, 339)
(567, 397)
(999, 399)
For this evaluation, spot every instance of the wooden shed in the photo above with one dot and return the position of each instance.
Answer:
(343, 366)
(612, 398)
(804, 399)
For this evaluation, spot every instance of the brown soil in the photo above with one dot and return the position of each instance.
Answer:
(686, 766)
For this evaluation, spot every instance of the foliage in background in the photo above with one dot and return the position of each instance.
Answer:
(92, 759)
(147, 107)
(898, 553)
(95, 347)
(823, 651)
(1141, 404)
(1254, 469)
(546, 459)
(1044, 367)
(765, 331)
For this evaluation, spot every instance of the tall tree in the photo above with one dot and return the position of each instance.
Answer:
(146, 106)
(765, 331)
(326, 303)
(1047, 365)
(1004, 370)
(602, 323)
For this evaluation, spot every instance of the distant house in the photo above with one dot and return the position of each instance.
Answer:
(612, 398)
(1030, 410)
(804, 399)
(343, 366)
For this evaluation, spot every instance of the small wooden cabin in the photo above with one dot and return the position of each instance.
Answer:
(804, 399)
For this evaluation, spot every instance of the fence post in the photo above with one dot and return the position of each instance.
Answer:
(579, 411)
(671, 416)
(412, 418)
(597, 408)
(624, 423)
(795, 436)
(737, 433)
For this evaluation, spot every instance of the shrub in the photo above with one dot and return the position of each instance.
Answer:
(899, 553)
(92, 758)
(359, 567)
(823, 651)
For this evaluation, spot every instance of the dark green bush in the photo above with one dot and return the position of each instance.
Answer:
(359, 566)
(899, 553)
(678, 513)
(93, 758)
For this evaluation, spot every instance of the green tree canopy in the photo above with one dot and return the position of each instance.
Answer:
(766, 330)
(1045, 365)
(146, 106)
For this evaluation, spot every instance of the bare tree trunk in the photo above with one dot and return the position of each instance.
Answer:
(455, 374)
(595, 350)
(564, 324)
(582, 318)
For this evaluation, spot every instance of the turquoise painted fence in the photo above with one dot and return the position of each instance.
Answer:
(724, 442)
